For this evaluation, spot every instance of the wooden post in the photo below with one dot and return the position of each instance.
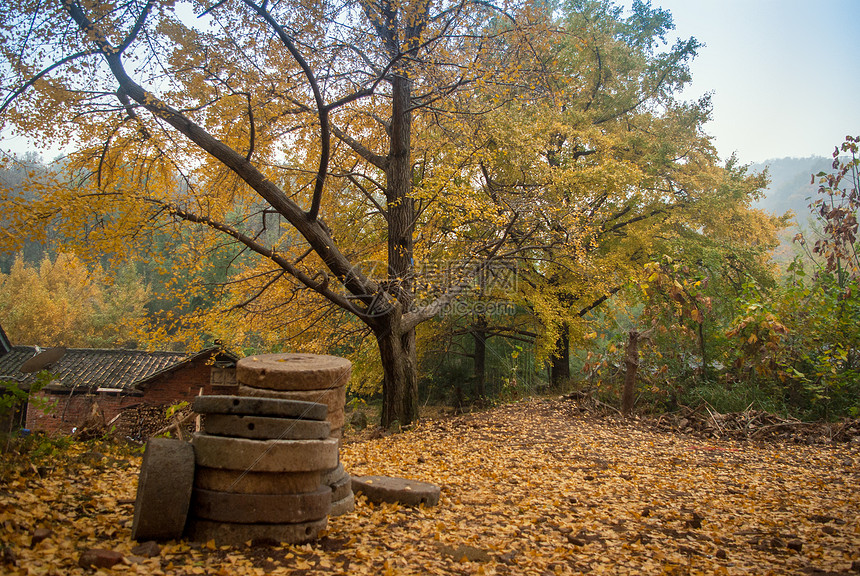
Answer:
(631, 361)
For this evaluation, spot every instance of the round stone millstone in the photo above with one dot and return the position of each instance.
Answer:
(261, 508)
(336, 419)
(379, 489)
(343, 506)
(240, 482)
(260, 406)
(293, 371)
(163, 490)
(265, 427)
(265, 455)
(230, 533)
(341, 489)
(337, 396)
(334, 398)
(335, 474)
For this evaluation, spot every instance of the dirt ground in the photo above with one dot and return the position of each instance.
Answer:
(537, 487)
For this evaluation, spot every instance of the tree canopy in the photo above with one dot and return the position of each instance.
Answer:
(349, 152)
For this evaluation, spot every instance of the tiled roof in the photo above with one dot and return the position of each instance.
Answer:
(85, 368)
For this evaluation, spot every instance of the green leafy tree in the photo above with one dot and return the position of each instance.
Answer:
(800, 341)
(625, 169)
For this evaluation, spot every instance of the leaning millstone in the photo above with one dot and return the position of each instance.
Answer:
(341, 488)
(265, 427)
(379, 489)
(293, 371)
(163, 490)
(334, 398)
(358, 420)
(230, 533)
(265, 455)
(343, 506)
(261, 508)
(281, 408)
(241, 482)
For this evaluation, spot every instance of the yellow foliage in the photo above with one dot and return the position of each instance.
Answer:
(63, 302)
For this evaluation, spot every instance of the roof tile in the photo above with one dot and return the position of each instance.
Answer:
(93, 368)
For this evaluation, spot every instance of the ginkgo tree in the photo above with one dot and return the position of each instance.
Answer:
(616, 169)
(304, 110)
(356, 149)
(62, 302)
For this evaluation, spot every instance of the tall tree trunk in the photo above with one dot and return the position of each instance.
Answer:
(397, 348)
(401, 206)
(400, 376)
(479, 335)
(631, 361)
(560, 360)
(703, 351)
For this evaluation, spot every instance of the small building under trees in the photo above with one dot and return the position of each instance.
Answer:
(109, 381)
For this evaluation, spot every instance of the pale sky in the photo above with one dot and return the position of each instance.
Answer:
(785, 74)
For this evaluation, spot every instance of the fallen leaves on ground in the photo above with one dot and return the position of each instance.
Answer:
(530, 488)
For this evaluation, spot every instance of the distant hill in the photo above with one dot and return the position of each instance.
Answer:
(790, 187)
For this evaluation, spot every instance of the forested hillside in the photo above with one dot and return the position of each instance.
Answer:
(791, 186)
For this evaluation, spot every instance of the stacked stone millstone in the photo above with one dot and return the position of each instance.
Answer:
(259, 468)
(309, 378)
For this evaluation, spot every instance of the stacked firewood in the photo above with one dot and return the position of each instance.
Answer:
(143, 421)
(755, 425)
(705, 422)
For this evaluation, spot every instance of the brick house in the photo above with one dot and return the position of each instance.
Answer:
(117, 379)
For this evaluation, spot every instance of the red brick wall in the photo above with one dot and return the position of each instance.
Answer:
(68, 412)
(181, 384)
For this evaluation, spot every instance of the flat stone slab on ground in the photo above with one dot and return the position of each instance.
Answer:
(293, 371)
(228, 533)
(99, 558)
(265, 455)
(241, 482)
(265, 427)
(163, 490)
(379, 489)
(261, 508)
(260, 406)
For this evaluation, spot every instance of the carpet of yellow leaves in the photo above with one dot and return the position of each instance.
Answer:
(529, 488)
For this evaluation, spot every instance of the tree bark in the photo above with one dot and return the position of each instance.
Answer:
(479, 335)
(397, 346)
(703, 351)
(400, 376)
(559, 368)
(631, 361)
